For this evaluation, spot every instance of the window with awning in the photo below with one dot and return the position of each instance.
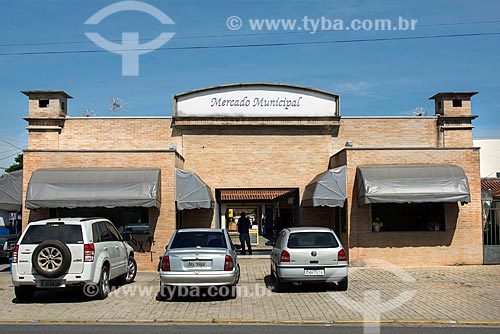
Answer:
(327, 189)
(191, 192)
(93, 187)
(11, 191)
(411, 183)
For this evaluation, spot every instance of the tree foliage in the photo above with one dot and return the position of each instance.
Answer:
(18, 165)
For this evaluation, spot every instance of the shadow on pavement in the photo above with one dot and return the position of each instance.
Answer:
(56, 296)
(299, 287)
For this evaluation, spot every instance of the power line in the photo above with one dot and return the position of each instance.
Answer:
(11, 139)
(10, 155)
(266, 33)
(253, 45)
(5, 141)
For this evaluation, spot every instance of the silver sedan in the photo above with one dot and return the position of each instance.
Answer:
(309, 254)
(198, 257)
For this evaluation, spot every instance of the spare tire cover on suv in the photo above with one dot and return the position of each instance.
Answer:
(51, 258)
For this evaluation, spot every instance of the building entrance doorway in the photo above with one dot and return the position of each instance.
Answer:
(269, 211)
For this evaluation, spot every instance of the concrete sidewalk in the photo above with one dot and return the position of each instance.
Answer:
(463, 295)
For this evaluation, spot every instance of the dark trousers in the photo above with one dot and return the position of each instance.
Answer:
(245, 238)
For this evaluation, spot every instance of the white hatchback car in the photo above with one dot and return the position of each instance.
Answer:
(62, 252)
(309, 254)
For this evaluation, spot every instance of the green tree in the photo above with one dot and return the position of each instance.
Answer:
(18, 165)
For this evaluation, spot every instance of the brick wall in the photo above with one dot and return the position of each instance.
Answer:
(117, 133)
(163, 220)
(264, 156)
(388, 132)
(460, 243)
(457, 138)
(449, 110)
(257, 157)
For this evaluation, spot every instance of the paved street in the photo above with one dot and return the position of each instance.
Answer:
(465, 294)
(168, 328)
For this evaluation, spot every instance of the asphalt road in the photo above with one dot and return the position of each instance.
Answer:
(86, 328)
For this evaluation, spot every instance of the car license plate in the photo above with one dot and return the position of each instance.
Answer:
(50, 283)
(197, 264)
(314, 272)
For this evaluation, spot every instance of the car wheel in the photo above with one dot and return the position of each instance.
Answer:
(229, 291)
(271, 273)
(103, 285)
(51, 258)
(166, 293)
(280, 286)
(343, 284)
(24, 293)
(129, 276)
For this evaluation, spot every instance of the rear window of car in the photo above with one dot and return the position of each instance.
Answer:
(69, 234)
(199, 239)
(312, 240)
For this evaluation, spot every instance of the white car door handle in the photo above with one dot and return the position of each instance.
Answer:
(105, 248)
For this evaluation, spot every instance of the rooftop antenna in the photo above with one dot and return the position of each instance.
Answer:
(419, 111)
(88, 113)
(115, 105)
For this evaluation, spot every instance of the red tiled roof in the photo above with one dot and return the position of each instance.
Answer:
(493, 184)
(252, 194)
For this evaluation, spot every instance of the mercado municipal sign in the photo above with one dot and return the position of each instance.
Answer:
(256, 100)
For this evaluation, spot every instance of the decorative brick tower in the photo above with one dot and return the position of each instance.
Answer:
(454, 118)
(47, 112)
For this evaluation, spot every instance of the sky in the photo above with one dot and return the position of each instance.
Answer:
(454, 46)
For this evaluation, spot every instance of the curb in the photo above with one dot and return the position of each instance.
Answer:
(256, 321)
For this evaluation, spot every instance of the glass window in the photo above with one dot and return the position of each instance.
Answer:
(68, 234)
(95, 233)
(198, 239)
(409, 216)
(312, 240)
(115, 236)
(104, 233)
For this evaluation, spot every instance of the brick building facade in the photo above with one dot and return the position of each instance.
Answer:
(277, 146)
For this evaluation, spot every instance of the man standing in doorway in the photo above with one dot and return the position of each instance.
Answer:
(244, 231)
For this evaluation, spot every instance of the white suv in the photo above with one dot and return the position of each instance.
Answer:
(62, 252)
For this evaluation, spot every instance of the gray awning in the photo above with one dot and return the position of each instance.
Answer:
(411, 183)
(11, 191)
(93, 187)
(327, 189)
(191, 192)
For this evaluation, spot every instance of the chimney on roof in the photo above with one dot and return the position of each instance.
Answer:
(47, 103)
(454, 118)
(453, 103)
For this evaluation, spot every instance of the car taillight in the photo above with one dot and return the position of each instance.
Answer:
(88, 252)
(165, 263)
(342, 256)
(228, 263)
(14, 254)
(285, 256)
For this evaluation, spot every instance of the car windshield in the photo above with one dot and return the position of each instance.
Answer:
(312, 239)
(198, 239)
(69, 234)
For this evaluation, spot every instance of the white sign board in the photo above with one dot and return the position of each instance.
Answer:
(256, 101)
